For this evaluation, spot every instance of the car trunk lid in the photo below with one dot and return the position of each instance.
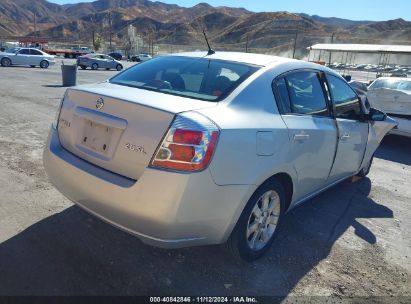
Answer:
(118, 128)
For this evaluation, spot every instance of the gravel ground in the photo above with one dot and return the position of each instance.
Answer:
(351, 241)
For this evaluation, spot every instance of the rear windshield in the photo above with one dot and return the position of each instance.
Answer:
(198, 78)
(393, 84)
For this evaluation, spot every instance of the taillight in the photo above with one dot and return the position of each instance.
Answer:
(188, 145)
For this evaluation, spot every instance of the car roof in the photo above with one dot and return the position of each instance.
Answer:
(248, 58)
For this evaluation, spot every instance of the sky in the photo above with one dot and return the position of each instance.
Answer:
(374, 10)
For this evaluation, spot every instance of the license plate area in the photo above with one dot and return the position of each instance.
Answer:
(97, 137)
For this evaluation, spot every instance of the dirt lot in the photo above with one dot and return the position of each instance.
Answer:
(353, 240)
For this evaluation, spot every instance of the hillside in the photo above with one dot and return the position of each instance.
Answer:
(172, 24)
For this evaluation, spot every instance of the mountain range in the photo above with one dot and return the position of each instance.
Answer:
(176, 25)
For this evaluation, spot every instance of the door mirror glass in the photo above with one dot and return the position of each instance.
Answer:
(376, 115)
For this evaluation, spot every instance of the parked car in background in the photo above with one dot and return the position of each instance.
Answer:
(116, 56)
(26, 56)
(140, 58)
(393, 96)
(98, 61)
(195, 149)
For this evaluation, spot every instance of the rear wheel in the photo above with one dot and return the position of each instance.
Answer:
(94, 66)
(83, 67)
(44, 64)
(5, 62)
(256, 228)
(119, 67)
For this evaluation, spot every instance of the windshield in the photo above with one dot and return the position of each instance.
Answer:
(393, 84)
(12, 50)
(198, 78)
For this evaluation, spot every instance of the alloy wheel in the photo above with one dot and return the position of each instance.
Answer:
(263, 220)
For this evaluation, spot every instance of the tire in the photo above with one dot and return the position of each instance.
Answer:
(5, 62)
(44, 64)
(240, 243)
(94, 66)
(364, 171)
(83, 67)
(119, 67)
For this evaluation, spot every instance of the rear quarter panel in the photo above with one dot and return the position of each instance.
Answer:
(254, 141)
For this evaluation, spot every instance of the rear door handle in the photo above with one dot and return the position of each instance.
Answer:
(345, 136)
(301, 136)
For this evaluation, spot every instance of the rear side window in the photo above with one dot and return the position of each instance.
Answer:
(344, 98)
(198, 78)
(35, 52)
(302, 93)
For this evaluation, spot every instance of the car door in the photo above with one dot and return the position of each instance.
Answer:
(352, 128)
(22, 57)
(35, 57)
(109, 62)
(312, 130)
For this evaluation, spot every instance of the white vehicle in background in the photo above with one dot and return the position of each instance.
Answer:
(393, 96)
(82, 49)
(26, 56)
(140, 58)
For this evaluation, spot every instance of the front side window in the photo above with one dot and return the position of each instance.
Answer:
(24, 52)
(345, 100)
(199, 78)
(302, 93)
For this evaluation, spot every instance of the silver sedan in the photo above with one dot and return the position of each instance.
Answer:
(26, 56)
(196, 148)
(98, 61)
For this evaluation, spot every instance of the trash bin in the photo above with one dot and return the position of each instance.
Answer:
(69, 75)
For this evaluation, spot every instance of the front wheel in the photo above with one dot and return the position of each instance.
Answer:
(119, 67)
(5, 62)
(257, 225)
(44, 64)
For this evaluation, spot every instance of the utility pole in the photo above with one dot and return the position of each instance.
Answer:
(35, 24)
(111, 27)
(295, 42)
(94, 29)
(332, 41)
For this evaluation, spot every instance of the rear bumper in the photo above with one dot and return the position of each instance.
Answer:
(162, 208)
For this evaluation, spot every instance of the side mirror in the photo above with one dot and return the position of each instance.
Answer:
(365, 104)
(376, 115)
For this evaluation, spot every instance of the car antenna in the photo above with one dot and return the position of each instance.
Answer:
(210, 50)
